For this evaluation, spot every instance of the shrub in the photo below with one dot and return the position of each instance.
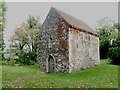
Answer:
(26, 58)
(114, 55)
(9, 62)
(4, 62)
(12, 62)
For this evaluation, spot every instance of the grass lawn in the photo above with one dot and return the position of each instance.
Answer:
(103, 76)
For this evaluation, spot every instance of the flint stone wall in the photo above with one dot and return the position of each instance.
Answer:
(53, 40)
(83, 50)
(71, 49)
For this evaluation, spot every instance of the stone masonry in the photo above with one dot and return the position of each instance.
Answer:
(66, 45)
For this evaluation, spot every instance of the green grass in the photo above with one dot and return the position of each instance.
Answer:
(103, 76)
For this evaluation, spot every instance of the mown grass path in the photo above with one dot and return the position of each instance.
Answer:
(103, 76)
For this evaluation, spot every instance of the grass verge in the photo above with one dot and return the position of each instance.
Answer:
(103, 76)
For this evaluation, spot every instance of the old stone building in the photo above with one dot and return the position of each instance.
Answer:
(66, 44)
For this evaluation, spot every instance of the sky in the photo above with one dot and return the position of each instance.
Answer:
(89, 12)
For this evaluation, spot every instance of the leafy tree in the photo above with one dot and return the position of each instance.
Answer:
(2, 26)
(114, 55)
(33, 29)
(25, 39)
(117, 27)
(20, 38)
(108, 35)
(114, 50)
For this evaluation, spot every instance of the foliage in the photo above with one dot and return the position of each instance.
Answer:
(117, 26)
(108, 31)
(104, 76)
(20, 38)
(12, 62)
(2, 14)
(25, 40)
(9, 62)
(114, 55)
(5, 62)
(26, 58)
(34, 27)
(2, 26)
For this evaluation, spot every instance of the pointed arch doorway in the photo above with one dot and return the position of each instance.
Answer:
(50, 64)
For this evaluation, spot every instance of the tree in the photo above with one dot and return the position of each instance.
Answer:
(114, 55)
(2, 26)
(114, 50)
(33, 29)
(108, 35)
(20, 38)
(117, 27)
(25, 38)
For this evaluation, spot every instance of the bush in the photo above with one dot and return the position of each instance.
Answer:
(12, 62)
(26, 58)
(9, 62)
(4, 62)
(114, 55)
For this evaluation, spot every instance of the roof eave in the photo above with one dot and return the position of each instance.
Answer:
(80, 29)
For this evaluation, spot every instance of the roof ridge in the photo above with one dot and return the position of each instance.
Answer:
(75, 22)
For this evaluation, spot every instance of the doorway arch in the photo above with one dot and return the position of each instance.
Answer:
(50, 64)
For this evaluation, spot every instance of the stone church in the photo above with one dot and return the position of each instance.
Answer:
(66, 44)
